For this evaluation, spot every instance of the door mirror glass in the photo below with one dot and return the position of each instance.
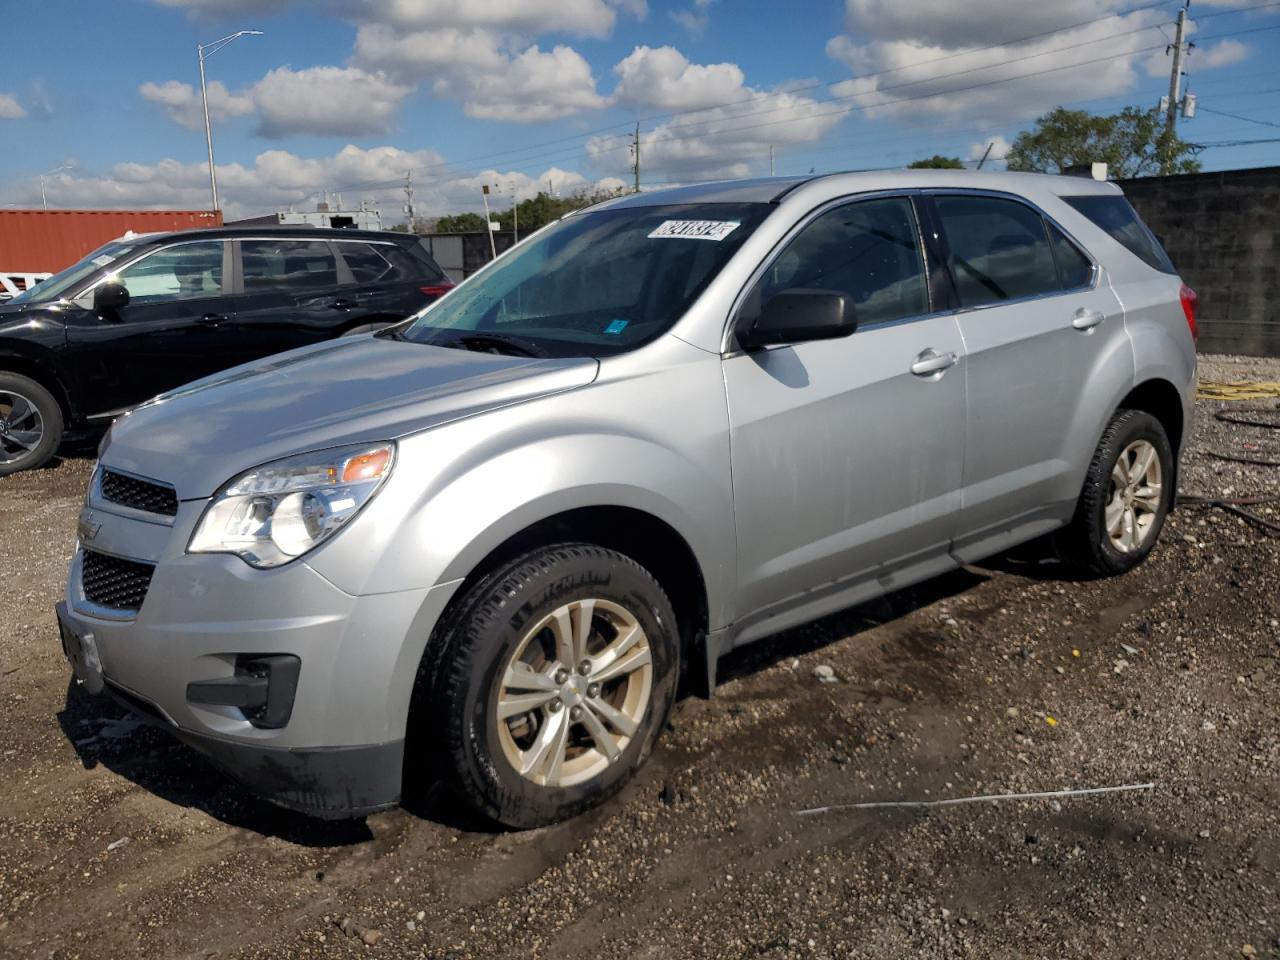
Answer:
(110, 296)
(797, 315)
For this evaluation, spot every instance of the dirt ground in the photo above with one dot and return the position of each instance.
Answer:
(115, 841)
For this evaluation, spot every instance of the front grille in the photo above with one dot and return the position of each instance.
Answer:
(138, 494)
(113, 582)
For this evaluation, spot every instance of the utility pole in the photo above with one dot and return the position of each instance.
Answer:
(1175, 78)
(635, 148)
(408, 197)
(771, 159)
(986, 153)
(515, 215)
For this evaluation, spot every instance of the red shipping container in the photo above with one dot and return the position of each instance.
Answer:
(46, 241)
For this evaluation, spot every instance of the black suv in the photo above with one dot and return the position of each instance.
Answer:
(142, 315)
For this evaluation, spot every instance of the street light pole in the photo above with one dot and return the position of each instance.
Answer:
(44, 200)
(203, 51)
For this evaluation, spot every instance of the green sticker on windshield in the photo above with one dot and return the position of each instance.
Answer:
(616, 327)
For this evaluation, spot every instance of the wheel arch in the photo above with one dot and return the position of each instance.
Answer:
(1161, 399)
(33, 369)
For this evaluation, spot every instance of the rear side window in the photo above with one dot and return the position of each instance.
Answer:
(869, 251)
(379, 262)
(998, 250)
(287, 265)
(1075, 270)
(1115, 215)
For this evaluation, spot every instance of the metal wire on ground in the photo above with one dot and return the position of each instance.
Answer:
(1258, 417)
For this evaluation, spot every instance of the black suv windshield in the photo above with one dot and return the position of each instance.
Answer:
(60, 283)
(598, 283)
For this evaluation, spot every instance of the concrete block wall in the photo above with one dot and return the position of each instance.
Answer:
(1221, 231)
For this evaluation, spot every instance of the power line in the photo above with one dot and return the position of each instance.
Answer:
(1236, 116)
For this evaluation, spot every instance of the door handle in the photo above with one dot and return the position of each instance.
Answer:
(343, 304)
(212, 319)
(930, 362)
(1086, 319)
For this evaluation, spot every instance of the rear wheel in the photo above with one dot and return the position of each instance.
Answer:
(1127, 494)
(558, 674)
(30, 424)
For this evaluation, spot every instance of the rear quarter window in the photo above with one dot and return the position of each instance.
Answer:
(1117, 217)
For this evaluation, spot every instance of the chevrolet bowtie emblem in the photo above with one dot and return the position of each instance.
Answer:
(88, 526)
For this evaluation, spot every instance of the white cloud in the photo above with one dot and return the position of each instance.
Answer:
(726, 123)
(472, 65)
(220, 8)
(10, 108)
(917, 57)
(326, 101)
(664, 79)
(1221, 54)
(278, 179)
(181, 101)
(584, 18)
(336, 101)
(695, 19)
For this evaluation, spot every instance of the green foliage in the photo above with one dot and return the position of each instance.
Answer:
(937, 162)
(461, 223)
(1132, 143)
(534, 213)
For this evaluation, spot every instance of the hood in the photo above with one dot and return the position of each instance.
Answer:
(352, 390)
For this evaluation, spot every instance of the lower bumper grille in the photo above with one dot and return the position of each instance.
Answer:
(112, 582)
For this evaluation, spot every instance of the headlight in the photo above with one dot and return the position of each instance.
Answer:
(277, 512)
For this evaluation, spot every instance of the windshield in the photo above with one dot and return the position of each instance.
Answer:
(597, 283)
(56, 286)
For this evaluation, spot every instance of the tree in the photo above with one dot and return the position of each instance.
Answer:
(461, 223)
(937, 162)
(1132, 143)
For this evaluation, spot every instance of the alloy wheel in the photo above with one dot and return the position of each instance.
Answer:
(21, 427)
(1135, 497)
(574, 693)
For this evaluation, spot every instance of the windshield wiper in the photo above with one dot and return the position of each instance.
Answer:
(498, 343)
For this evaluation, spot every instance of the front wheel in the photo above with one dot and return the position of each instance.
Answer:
(30, 424)
(1127, 494)
(558, 674)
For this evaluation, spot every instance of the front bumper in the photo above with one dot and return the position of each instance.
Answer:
(340, 752)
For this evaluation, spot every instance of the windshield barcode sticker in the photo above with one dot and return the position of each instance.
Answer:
(695, 229)
(104, 260)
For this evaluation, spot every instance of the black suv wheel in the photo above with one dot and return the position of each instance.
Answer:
(30, 424)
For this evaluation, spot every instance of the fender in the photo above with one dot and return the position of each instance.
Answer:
(35, 347)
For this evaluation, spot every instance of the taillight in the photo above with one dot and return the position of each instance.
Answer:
(1190, 303)
(437, 289)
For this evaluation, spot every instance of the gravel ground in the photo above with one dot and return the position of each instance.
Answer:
(117, 842)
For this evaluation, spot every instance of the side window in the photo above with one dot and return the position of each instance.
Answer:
(1075, 270)
(868, 250)
(378, 262)
(998, 249)
(1116, 216)
(185, 271)
(287, 265)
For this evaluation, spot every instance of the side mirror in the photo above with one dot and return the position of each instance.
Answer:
(794, 316)
(110, 296)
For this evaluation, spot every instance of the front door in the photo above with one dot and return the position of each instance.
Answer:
(847, 454)
(168, 334)
(1037, 318)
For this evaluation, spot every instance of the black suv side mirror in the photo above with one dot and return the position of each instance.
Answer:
(110, 296)
(794, 316)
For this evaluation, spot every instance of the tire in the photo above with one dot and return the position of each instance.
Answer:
(1115, 527)
(512, 615)
(30, 424)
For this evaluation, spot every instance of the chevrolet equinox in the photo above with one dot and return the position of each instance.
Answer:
(485, 544)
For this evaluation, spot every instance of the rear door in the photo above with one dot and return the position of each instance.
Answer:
(1038, 318)
(847, 454)
(167, 335)
(292, 292)
(387, 282)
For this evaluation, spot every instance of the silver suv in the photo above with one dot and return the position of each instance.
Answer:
(487, 544)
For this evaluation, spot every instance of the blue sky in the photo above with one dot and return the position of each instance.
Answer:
(346, 95)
